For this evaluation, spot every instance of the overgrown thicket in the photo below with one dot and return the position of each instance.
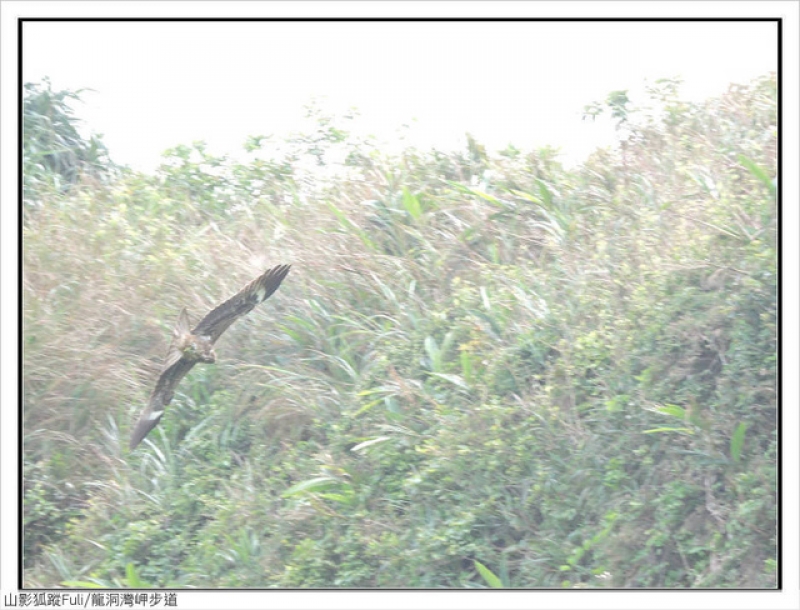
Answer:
(55, 155)
(482, 370)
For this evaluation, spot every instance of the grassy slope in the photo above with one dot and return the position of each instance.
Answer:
(474, 358)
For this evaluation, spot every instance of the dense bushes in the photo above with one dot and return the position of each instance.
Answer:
(482, 369)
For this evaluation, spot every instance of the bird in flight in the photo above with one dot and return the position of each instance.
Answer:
(190, 347)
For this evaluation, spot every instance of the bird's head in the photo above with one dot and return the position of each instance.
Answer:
(200, 348)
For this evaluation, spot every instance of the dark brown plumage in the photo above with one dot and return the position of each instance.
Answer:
(188, 348)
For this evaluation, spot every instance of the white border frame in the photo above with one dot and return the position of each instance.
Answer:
(788, 598)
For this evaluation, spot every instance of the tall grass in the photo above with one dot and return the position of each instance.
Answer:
(479, 365)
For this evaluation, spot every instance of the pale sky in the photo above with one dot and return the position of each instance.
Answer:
(526, 83)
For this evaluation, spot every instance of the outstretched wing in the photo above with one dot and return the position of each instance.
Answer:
(181, 329)
(159, 399)
(213, 325)
(222, 316)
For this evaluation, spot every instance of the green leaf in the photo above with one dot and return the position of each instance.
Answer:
(544, 191)
(434, 353)
(490, 320)
(133, 578)
(466, 366)
(311, 485)
(673, 410)
(486, 197)
(411, 204)
(349, 224)
(737, 441)
(346, 498)
(477, 193)
(759, 172)
(82, 584)
(430, 347)
(368, 406)
(369, 443)
(490, 577)
(654, 430)
(454, 379)
(526, 196)
(487, 304)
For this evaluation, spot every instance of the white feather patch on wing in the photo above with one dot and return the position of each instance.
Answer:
(155, 415)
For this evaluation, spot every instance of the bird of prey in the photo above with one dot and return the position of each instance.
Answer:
(188, 348)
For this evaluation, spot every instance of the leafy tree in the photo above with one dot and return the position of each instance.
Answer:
(54, 154)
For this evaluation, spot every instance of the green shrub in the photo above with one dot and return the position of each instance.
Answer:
(483, 369)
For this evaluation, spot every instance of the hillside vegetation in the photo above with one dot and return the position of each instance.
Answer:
(483, 369)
